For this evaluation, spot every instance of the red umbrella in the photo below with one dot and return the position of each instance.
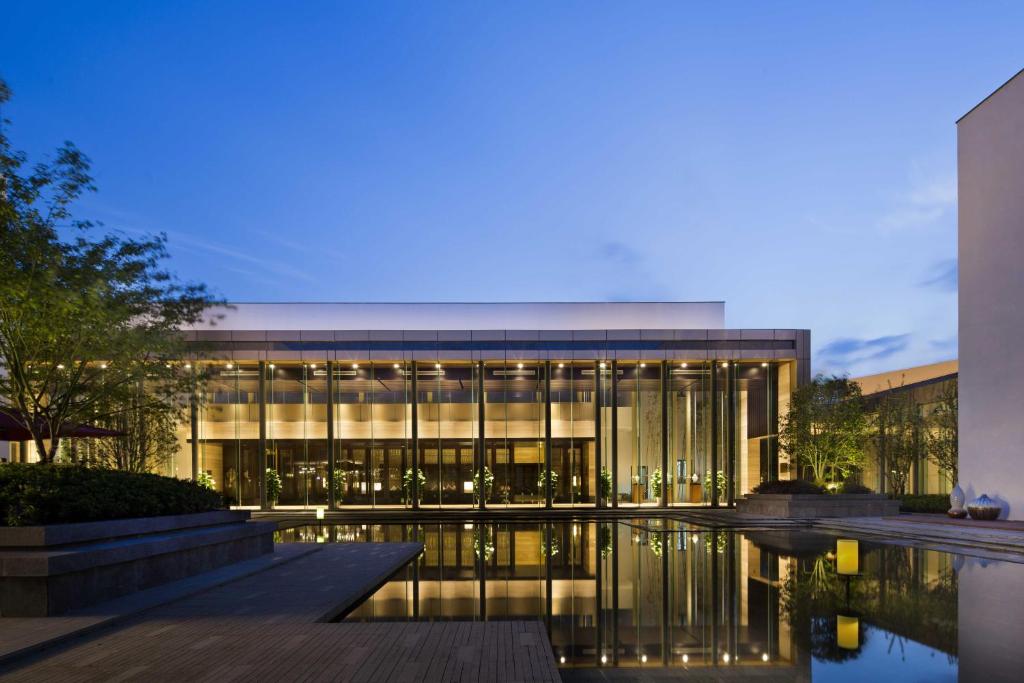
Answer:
(12, 428)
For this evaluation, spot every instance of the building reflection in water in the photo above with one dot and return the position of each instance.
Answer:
(662, 593)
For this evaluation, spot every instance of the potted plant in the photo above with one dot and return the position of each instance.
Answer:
(340, 485)
(542, 480)
(606, 485)
(656, 484)
(421, 482)
(206, 481)
(488, 485)
(720, 482)
(273, 486)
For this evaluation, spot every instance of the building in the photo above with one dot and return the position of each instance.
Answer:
(926, 385)
(608, 397)
(990, 158)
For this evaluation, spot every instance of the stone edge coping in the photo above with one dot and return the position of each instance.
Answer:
(33, 562)
(83, 532)
(106, 614)
(833, 498)
(409, 551)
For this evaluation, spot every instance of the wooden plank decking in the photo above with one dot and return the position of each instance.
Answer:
(269, 627)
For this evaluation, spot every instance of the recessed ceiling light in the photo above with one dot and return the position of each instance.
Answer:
(312, 366)
(271, 366)
(520, 366)
(561, 365)
(682, 365)
(397, 366)
(230, 365)
(725, 363)
(643, 365)
(355, 366)
(764, 365)
(602, 365)
(437, 365)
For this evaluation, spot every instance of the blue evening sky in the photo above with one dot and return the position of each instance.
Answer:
(796, 160)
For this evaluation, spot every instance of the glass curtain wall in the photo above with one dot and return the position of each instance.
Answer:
(297, 431)
(447, 428)
(371, 431)
(229, 430)
(639, 399)
(689, 429)
(572, 433)
(514, 432)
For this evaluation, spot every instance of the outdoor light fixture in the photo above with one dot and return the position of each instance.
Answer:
(188, 366)
(643, 659)
(271, 366)
(103, 366)
(764, 657)
(847, 557)
(320, 513)
(60, 366)
(604, 659)
(847, 632)
(686, 658)
(725, 657)
(562, 659)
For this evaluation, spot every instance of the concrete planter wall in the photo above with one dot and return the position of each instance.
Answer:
(808, 506)
(49, 570)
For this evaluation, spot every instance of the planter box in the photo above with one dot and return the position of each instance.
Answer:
(49, 570)
(811, 506)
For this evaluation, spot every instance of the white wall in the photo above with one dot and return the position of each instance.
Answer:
(473, 316)
(991, 252)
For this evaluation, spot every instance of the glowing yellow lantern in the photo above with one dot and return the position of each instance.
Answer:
(848, 632)
(847, 557)
(319, 513)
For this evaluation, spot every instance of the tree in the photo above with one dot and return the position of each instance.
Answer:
(148, 438)
(825, 428)
(943, 440)
(84, 320)
(899, 437)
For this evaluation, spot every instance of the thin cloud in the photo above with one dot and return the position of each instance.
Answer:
(267, 266)
(619, 253)
(850, 351)
(943, 276)
(922, 205)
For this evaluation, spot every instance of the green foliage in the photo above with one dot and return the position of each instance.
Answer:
(720, 481)
(421, 482)
(657, 480)
(606, 484)
(61, 494)
(789, 487)
(148, 440)
(943, 432)
(850, 486)
(205, 479)
(488, 484)
(825, 428)
(553, 475)
(273, 485)
(899, 430)
(936, 503)
(339, 482)
(87, 322)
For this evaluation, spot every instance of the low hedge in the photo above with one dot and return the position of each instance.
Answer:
(854, 487)
(788, 487)
(933, 503)
(59, 494)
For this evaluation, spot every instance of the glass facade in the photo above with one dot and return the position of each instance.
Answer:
(458, 432)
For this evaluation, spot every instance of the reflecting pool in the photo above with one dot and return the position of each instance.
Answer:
(664, 593)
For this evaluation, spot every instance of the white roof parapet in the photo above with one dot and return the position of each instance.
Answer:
(472, 316)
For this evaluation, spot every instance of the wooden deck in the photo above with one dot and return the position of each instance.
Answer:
(270, 626)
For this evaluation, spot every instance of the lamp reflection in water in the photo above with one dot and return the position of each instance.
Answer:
(847, 565)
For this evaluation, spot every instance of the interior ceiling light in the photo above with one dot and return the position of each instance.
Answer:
(643, 365)
(230, 365)
(519, 365)
(437, 365)
(397, 366)
(355, 366)
(561, 365)
(682, 365)
(764, 365)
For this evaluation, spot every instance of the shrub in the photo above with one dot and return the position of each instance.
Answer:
(854, 487)
(928, 502)
(789, 487)
(59, 494)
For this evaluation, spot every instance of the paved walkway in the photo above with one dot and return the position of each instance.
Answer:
(272, 626)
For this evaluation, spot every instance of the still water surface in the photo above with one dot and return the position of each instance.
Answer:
(664, 593)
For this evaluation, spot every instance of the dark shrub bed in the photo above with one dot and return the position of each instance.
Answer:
(854, 487)
(59, 494)
(927, 502)
(788, 487)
